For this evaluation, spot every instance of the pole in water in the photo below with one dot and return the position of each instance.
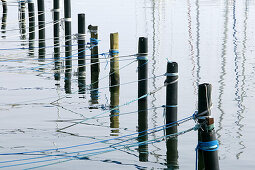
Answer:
(4, 17)
(171, 84)
(143, 102)
(41, 27)
(31, 16)
(95, 69)
(56, 10)
(114, 117)
(22, 20)
(207, 159)
(68, 45)
(114, 62)
(81, 54)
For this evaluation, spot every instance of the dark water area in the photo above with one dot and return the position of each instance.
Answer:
(45, 108)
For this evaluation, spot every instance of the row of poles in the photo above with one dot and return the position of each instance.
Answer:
(207, 155)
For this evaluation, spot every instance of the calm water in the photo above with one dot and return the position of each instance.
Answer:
(213, 42)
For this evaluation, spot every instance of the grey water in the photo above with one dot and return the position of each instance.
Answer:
(212, 41)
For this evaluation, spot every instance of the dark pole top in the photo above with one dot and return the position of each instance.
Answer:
(204, 98)
(172, 67)
(81, 22)
(143, 45)
(67, 6)
(56, 4)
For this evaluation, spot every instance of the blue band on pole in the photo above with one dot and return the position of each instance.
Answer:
(114, 52)
(142, 58)
(206, 146)
(115, 111)
(94, 41)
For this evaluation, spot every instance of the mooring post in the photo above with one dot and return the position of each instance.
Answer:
(95, 66)
(41, 22)
(207, 143)
(4, 16)
(31, 15)
(94, 47)
(68, 45)
(171, 95)
(171, 84)
(56, 14)
(81, 54)
(114, 117)
(142, 93)
(22, 19)
(68, 35)
(114, 61)
(41, 27)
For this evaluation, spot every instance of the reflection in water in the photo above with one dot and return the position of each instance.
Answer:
(114, 117)
(156, 20)
(4, 18)
(198, 43)
(191, 44)
(240, 75)
(223, 72)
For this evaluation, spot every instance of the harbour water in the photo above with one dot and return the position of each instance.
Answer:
(212, 41)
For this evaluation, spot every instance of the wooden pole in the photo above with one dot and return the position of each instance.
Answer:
(81, 54)
(56, 30)
(207, 160)
(95, 67)
(171, 114)
(114, 53)
(143, 103)
(114, 117)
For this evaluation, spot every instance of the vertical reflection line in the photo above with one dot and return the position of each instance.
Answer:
(239, 98)
(243, 93)
(191, 46)
(155, 53)
(222, 73)
(198, 42)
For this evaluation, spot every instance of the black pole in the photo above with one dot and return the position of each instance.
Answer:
(143, 102)
(68, 36)
(81, 54)
(68, 47)
(171, 93)
(56, 10)
(41, 27)
(31, 15)
(4, 17)
(22, 20)
(171, 114)
(207, 160)
(41, 21)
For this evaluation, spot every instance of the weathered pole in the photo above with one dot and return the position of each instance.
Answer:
(114, 61)
(207, 143)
